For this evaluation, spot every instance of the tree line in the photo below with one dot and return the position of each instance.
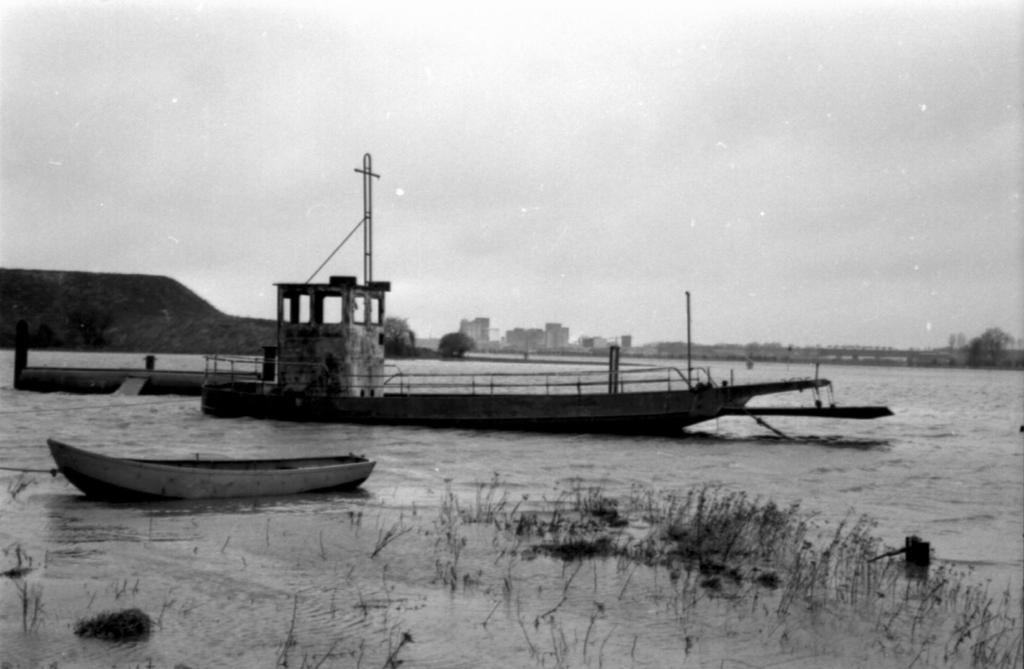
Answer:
(989, 349)
(400, 341)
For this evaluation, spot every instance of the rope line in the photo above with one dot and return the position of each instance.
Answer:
(51, 472)
(336, 249)
(763, 423)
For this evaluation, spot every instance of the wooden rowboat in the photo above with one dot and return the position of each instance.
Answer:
(123, 479)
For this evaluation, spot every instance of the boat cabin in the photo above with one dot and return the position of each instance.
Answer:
(330, 337)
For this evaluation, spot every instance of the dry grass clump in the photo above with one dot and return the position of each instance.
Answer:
(579, 548)
(708, 526)
(115, 625)
(583, 524)
(706, 529)
(23, 566)
(29, 594)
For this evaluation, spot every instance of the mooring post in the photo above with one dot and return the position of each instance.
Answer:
(20, 349)
(918, 553)
(150, 363)
(613, 369)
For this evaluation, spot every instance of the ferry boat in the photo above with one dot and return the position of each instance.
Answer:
(328, 365)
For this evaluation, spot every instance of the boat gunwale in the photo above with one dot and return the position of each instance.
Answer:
(225, 466)
(624, 377)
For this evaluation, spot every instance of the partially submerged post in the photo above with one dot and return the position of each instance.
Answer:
(918, 553)
(917, 556)
(20, 349)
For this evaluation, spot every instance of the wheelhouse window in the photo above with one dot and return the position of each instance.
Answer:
(296, 307)
(361, 309)
(332, 309)
(377, 310)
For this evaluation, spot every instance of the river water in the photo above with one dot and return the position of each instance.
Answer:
(353, 579)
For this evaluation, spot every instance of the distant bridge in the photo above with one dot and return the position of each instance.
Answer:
(910, 357)
(834, 354)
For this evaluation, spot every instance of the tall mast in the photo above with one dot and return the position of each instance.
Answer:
(689, 357)
(368, 177)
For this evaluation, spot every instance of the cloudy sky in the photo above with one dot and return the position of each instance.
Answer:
(850, 175)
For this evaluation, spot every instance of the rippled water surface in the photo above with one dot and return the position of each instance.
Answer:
(306, 578)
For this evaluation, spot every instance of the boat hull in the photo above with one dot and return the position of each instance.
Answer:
(665, 412)
(123, 479)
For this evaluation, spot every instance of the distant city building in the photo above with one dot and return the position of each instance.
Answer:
(555, 336)
(626, 341)
(594, 342)
(522, 339)
(479, 329)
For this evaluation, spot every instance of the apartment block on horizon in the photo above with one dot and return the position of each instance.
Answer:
(525, 339)
(478, 329)
(556, 336)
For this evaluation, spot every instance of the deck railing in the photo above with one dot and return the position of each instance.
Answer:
(397, 382)
(235, 368)
(579, 382)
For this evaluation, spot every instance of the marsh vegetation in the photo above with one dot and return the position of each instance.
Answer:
(762, 571)
(580, 579)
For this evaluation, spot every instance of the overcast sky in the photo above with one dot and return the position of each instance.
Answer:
(850, 175)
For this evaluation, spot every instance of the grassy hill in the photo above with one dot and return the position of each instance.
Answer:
(121, 312)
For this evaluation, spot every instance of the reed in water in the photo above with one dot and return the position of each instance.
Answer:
(778, 562)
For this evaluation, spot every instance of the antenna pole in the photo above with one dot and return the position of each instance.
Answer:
(368, 177)
(689, 358)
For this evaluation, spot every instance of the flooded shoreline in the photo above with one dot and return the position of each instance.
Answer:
(461, 584)
(286, 580)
